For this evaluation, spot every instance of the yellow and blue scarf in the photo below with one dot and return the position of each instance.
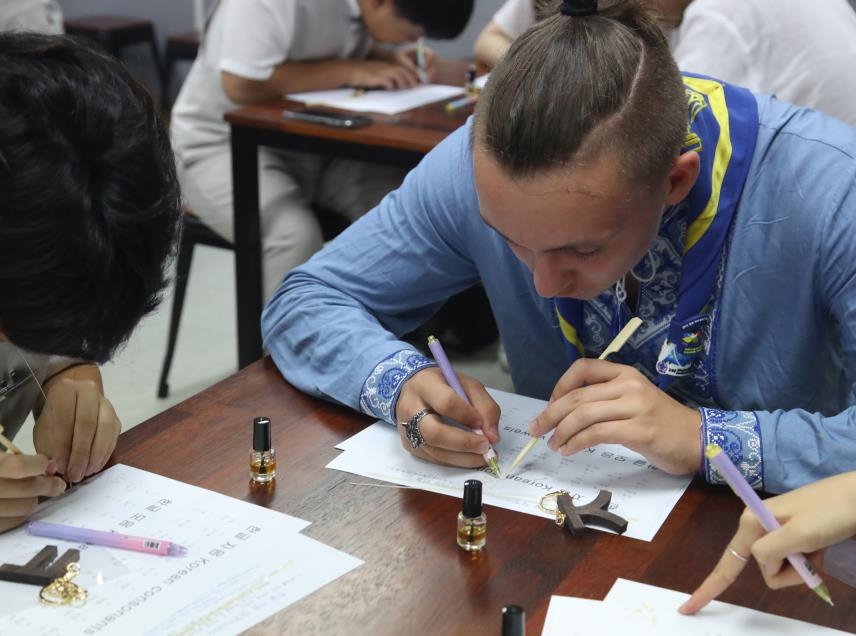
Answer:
(722, 128)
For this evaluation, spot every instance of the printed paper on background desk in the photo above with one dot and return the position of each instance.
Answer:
(640, 493)
(379, 101)
(244, 562)
(647, 610)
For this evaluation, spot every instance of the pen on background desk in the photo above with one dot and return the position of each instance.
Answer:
(420, 61)
(623, 336)
(742, 489)
(108, 539)
(452, 380)
(7, 443)
(461, 102)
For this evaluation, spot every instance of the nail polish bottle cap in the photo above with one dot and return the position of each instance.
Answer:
(472, 498)
(261, 434)
(513, 621)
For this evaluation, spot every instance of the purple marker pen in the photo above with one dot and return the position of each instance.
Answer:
(108, 539)
(452, 380)
(743, 490)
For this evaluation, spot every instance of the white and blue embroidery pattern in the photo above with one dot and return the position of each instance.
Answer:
(738, 434)
(605, 315)
(380, 390)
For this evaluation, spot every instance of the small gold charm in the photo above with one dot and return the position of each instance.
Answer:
(554, 509)
(63, 591)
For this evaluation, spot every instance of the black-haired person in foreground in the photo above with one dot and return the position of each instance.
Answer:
(89, 213)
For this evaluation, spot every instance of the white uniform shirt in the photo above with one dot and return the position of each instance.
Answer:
(250, 38)
(43, 16)
(515, 16)
(802, 52)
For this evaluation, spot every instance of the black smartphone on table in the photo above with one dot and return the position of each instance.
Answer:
(328, 117)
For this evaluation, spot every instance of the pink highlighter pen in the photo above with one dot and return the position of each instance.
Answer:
(448, 372)
(108, 539)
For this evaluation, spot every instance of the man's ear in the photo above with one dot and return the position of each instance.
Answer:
(682, 176)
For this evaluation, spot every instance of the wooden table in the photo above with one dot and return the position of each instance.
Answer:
(415, 579)
(400, 140)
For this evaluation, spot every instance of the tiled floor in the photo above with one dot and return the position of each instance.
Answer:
(207, 348)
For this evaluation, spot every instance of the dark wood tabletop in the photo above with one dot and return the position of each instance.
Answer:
(400, 140)
(417, 130)
(415, 579)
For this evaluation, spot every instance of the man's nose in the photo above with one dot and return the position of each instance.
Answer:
(550, 278)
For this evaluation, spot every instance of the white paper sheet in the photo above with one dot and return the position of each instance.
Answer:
(640, 493)
(379, 101)
(647, 610)
(568, 615)
(244, 562)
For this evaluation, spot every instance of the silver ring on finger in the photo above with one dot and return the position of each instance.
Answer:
(411, 428)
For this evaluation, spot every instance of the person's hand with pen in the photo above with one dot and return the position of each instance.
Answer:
(380, 74)
(601, 402)
(401, 67)
(445, 444)
(812, 518)
(23, 479)
(77, 427)
(74, 435)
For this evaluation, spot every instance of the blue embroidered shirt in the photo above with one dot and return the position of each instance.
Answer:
(776, 385)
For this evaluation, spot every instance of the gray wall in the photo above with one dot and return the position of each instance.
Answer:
(176, 16)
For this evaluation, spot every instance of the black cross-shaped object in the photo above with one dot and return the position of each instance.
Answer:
(42, 569)
(595, 513)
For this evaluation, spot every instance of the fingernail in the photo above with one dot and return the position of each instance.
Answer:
(533, 427)
(50, 469)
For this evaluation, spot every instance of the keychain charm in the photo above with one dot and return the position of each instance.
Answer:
(575, 518)
(63, 591)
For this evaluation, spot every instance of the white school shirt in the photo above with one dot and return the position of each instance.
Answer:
(515, 16)
(250, 38)
(42, 16)
(804, 52)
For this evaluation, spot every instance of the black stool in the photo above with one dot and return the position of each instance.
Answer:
(195, 233)
(114, 33)
(181, 47)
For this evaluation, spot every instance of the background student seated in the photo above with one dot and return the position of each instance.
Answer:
(41, 16)
(89, 213)
(512, 19)
(720, 217)
(801, 52)
(259, 50)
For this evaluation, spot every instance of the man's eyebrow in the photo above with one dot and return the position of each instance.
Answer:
(490, 225)
(570, 246)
